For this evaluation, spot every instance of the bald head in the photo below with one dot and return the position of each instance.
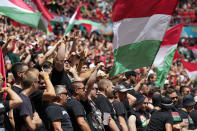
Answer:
(103, 84)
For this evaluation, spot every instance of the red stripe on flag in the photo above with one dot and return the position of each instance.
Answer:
(141, 8)
(176, 55)
(172, 35)
(21, 4)
(2, 67)
(43, 10)
(189, 66)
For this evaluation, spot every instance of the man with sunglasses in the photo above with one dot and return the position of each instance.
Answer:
(61, 120)
(175, 111)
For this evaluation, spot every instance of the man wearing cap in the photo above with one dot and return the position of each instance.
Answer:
(188, 106)
(162, 120)
(193, 114)
(139, 117)
(120, 95)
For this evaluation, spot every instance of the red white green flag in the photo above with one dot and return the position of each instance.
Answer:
(19, 11)
(138, 28)
(73, 19)
(165, 55)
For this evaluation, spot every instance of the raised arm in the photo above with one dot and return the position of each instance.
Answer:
(49, 92)
(59, 63)
(15, 100)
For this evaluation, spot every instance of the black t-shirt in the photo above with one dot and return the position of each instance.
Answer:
(39, 106)
(120, 109)
(186, 117)
(4, 107)
(55, 112)
(24, 109)
(94, 118)
(106, 107)
(60, 78)
(75, 109)
(141, 119)
(158, 121)
(193, 115)
(16, 89)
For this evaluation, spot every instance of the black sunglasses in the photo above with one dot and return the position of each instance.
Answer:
(65, 93)
(176, 97)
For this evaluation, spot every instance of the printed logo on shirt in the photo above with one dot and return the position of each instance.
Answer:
(64, 112)
(1, 105)
(190, 120)
(176, 116)
(143, 120)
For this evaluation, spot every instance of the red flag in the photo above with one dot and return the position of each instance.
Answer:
(2, 67)
(190, 68)
(176, 55)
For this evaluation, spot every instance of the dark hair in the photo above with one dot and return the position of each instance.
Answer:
(130, 73)
(182, 88)
(74, 86)
(150, 77)
(17, 68)
(169, 91)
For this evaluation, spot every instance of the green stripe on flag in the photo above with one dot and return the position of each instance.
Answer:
(162, 72)
(30, 19)
(134, 56)
(87, 22)
(68, 28)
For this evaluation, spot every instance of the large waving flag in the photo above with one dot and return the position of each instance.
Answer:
(165, 55)
(191, 69)
(19, 11)
(139, 27)
(73, 19)
(46, 15)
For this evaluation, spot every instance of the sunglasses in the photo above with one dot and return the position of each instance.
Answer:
(176, 97)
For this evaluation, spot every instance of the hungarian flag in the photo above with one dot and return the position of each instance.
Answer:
(193, 48)
(2, 67)
(138, 28)
(165, 55)
(73, 19)
(19, 11)
(46, 17)
(191, 69)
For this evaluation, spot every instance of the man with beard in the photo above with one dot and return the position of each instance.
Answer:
(177, 119)
(102, 102)
(139, 116)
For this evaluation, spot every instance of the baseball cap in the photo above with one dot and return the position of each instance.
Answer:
(121, 88)
(166, 103)
(188, 100)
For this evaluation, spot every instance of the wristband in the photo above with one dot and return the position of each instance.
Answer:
(6, 89)
(47, 78)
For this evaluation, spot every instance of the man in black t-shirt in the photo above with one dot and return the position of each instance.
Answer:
(77, 106)
(57, 115)
(102, 102)
(139, 117)
(161, 120)
(5, 106)
(23, 115)
(120, 95)
(59, 75)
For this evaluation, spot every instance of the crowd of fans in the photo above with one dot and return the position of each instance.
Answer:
(61, 82)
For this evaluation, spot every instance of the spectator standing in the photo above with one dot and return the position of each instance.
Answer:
(58, 116)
